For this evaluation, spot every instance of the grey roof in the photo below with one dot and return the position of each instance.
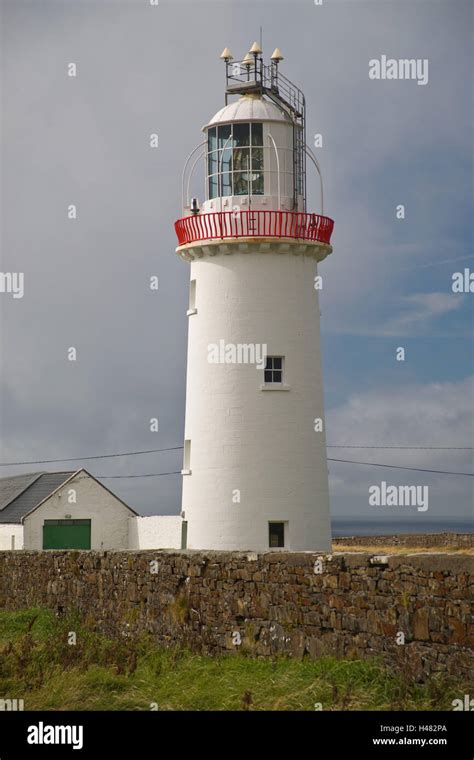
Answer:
(22, 493)
(12, 487)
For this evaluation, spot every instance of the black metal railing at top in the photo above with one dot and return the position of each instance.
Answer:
(268, 77)
(256, 76)
(277, 224)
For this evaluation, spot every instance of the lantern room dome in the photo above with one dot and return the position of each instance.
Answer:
(249, 108)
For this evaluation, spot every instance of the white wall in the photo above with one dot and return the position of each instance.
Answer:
(259, 442)
(155, 532)
(7, 530)
(109, 517)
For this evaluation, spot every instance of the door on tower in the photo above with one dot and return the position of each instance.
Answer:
(67, 534)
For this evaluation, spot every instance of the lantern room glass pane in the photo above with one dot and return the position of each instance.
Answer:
(223, 134)
(212, 163)
(241, 159)
(242, 186)
(213, 186)
(257, 183)
(257, 158)
(225, 160)
(241, 135)
(226, 184)
(257, 134)
(212, 139)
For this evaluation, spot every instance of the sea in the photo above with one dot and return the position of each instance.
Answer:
(347, 526)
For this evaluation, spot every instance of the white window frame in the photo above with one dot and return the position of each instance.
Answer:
(275, 386)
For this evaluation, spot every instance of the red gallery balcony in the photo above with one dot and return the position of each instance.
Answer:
(250, 224)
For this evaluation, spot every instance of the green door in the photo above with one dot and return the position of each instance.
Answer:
(67, 534)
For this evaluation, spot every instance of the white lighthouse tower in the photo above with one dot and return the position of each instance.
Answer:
(255, 468)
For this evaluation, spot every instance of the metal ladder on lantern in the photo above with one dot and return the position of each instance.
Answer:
(251, 222)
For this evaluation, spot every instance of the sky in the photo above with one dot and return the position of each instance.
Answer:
(85, 140)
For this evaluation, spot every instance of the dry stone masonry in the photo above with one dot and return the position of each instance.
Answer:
(412, 609)
(431, 540)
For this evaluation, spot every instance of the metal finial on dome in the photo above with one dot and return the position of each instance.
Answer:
(276, 55)
(226, 55)
(255, 49)
(248, 60)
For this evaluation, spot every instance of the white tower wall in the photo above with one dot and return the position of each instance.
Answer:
(259, 442)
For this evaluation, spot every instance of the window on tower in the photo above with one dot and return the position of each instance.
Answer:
(192, 295)
(273, 372)
(276, 535)
(187, 458)
(235, 160)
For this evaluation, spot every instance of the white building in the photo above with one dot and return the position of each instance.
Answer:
(255, 467)
(61, 510)
(157, 532)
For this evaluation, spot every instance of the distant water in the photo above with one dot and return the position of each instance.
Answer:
(349, 527)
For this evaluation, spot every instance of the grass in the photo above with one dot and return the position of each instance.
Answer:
(38, 665)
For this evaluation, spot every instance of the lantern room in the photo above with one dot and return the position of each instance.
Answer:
(250, 158)
(255, 155)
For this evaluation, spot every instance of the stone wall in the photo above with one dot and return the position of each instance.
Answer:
(263, 604)
(431, 540)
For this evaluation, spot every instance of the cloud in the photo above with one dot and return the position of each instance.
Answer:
(415, 414)
(420, 311)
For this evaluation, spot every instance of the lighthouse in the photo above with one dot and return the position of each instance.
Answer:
(255, 466)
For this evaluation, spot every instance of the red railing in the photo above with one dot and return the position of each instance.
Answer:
(237, 224)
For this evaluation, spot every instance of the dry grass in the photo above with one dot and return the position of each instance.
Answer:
(376, 549)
